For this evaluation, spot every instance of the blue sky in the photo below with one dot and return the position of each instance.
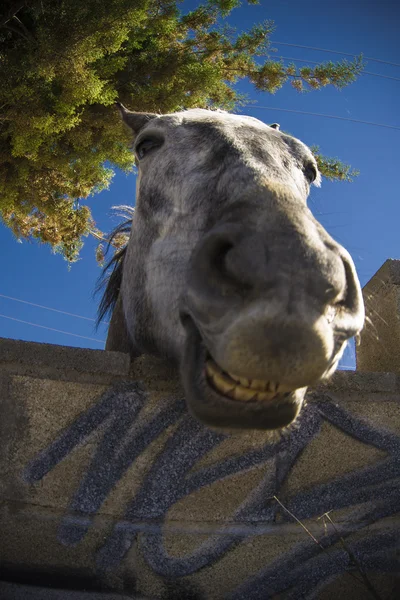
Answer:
(363, 216)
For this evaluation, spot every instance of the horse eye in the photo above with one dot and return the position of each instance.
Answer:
(145, 145)
(310, 172)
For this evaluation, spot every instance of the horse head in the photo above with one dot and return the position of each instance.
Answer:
(227, 272)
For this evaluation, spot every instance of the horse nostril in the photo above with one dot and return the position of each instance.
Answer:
(219, 263)
(218, 253)
(224, 267)
(349, 306)
(350, 295)
(184, 318)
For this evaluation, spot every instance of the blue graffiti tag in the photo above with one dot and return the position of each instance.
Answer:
(172, 477)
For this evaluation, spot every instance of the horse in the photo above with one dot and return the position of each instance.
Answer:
(227, 274)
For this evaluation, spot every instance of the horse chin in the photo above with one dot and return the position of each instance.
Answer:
(217, 409)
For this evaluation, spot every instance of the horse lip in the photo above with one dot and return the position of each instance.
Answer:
(218, 410)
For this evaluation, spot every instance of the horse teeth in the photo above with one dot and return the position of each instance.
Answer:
(222, 384)
(212, 368)
(243, 394)
(258, 384)
(241, 388)
(282, 389)
(235, 377)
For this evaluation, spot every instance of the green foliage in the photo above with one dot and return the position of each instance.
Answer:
(333, 168)
(63, 63)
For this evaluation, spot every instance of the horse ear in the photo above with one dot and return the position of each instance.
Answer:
(134, 120)
(275, 126)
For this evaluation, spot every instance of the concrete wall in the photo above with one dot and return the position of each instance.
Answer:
(108, 484)
(380, 339)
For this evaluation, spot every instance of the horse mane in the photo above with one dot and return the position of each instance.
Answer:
(111, 276)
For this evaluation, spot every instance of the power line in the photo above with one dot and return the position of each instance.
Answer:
(385, 62)
(51, 329)
(63, 312)
(314, 62)
(303, 112)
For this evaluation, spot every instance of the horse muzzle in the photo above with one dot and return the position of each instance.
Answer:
(263, 324)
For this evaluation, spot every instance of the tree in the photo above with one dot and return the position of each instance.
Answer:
(63, 64)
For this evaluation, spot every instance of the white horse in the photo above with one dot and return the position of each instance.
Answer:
(227, 273)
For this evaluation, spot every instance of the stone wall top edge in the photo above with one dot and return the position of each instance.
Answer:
(361, 381)
(84, 360)
(389, 273)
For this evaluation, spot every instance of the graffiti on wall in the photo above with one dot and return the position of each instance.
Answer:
(372, 492)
